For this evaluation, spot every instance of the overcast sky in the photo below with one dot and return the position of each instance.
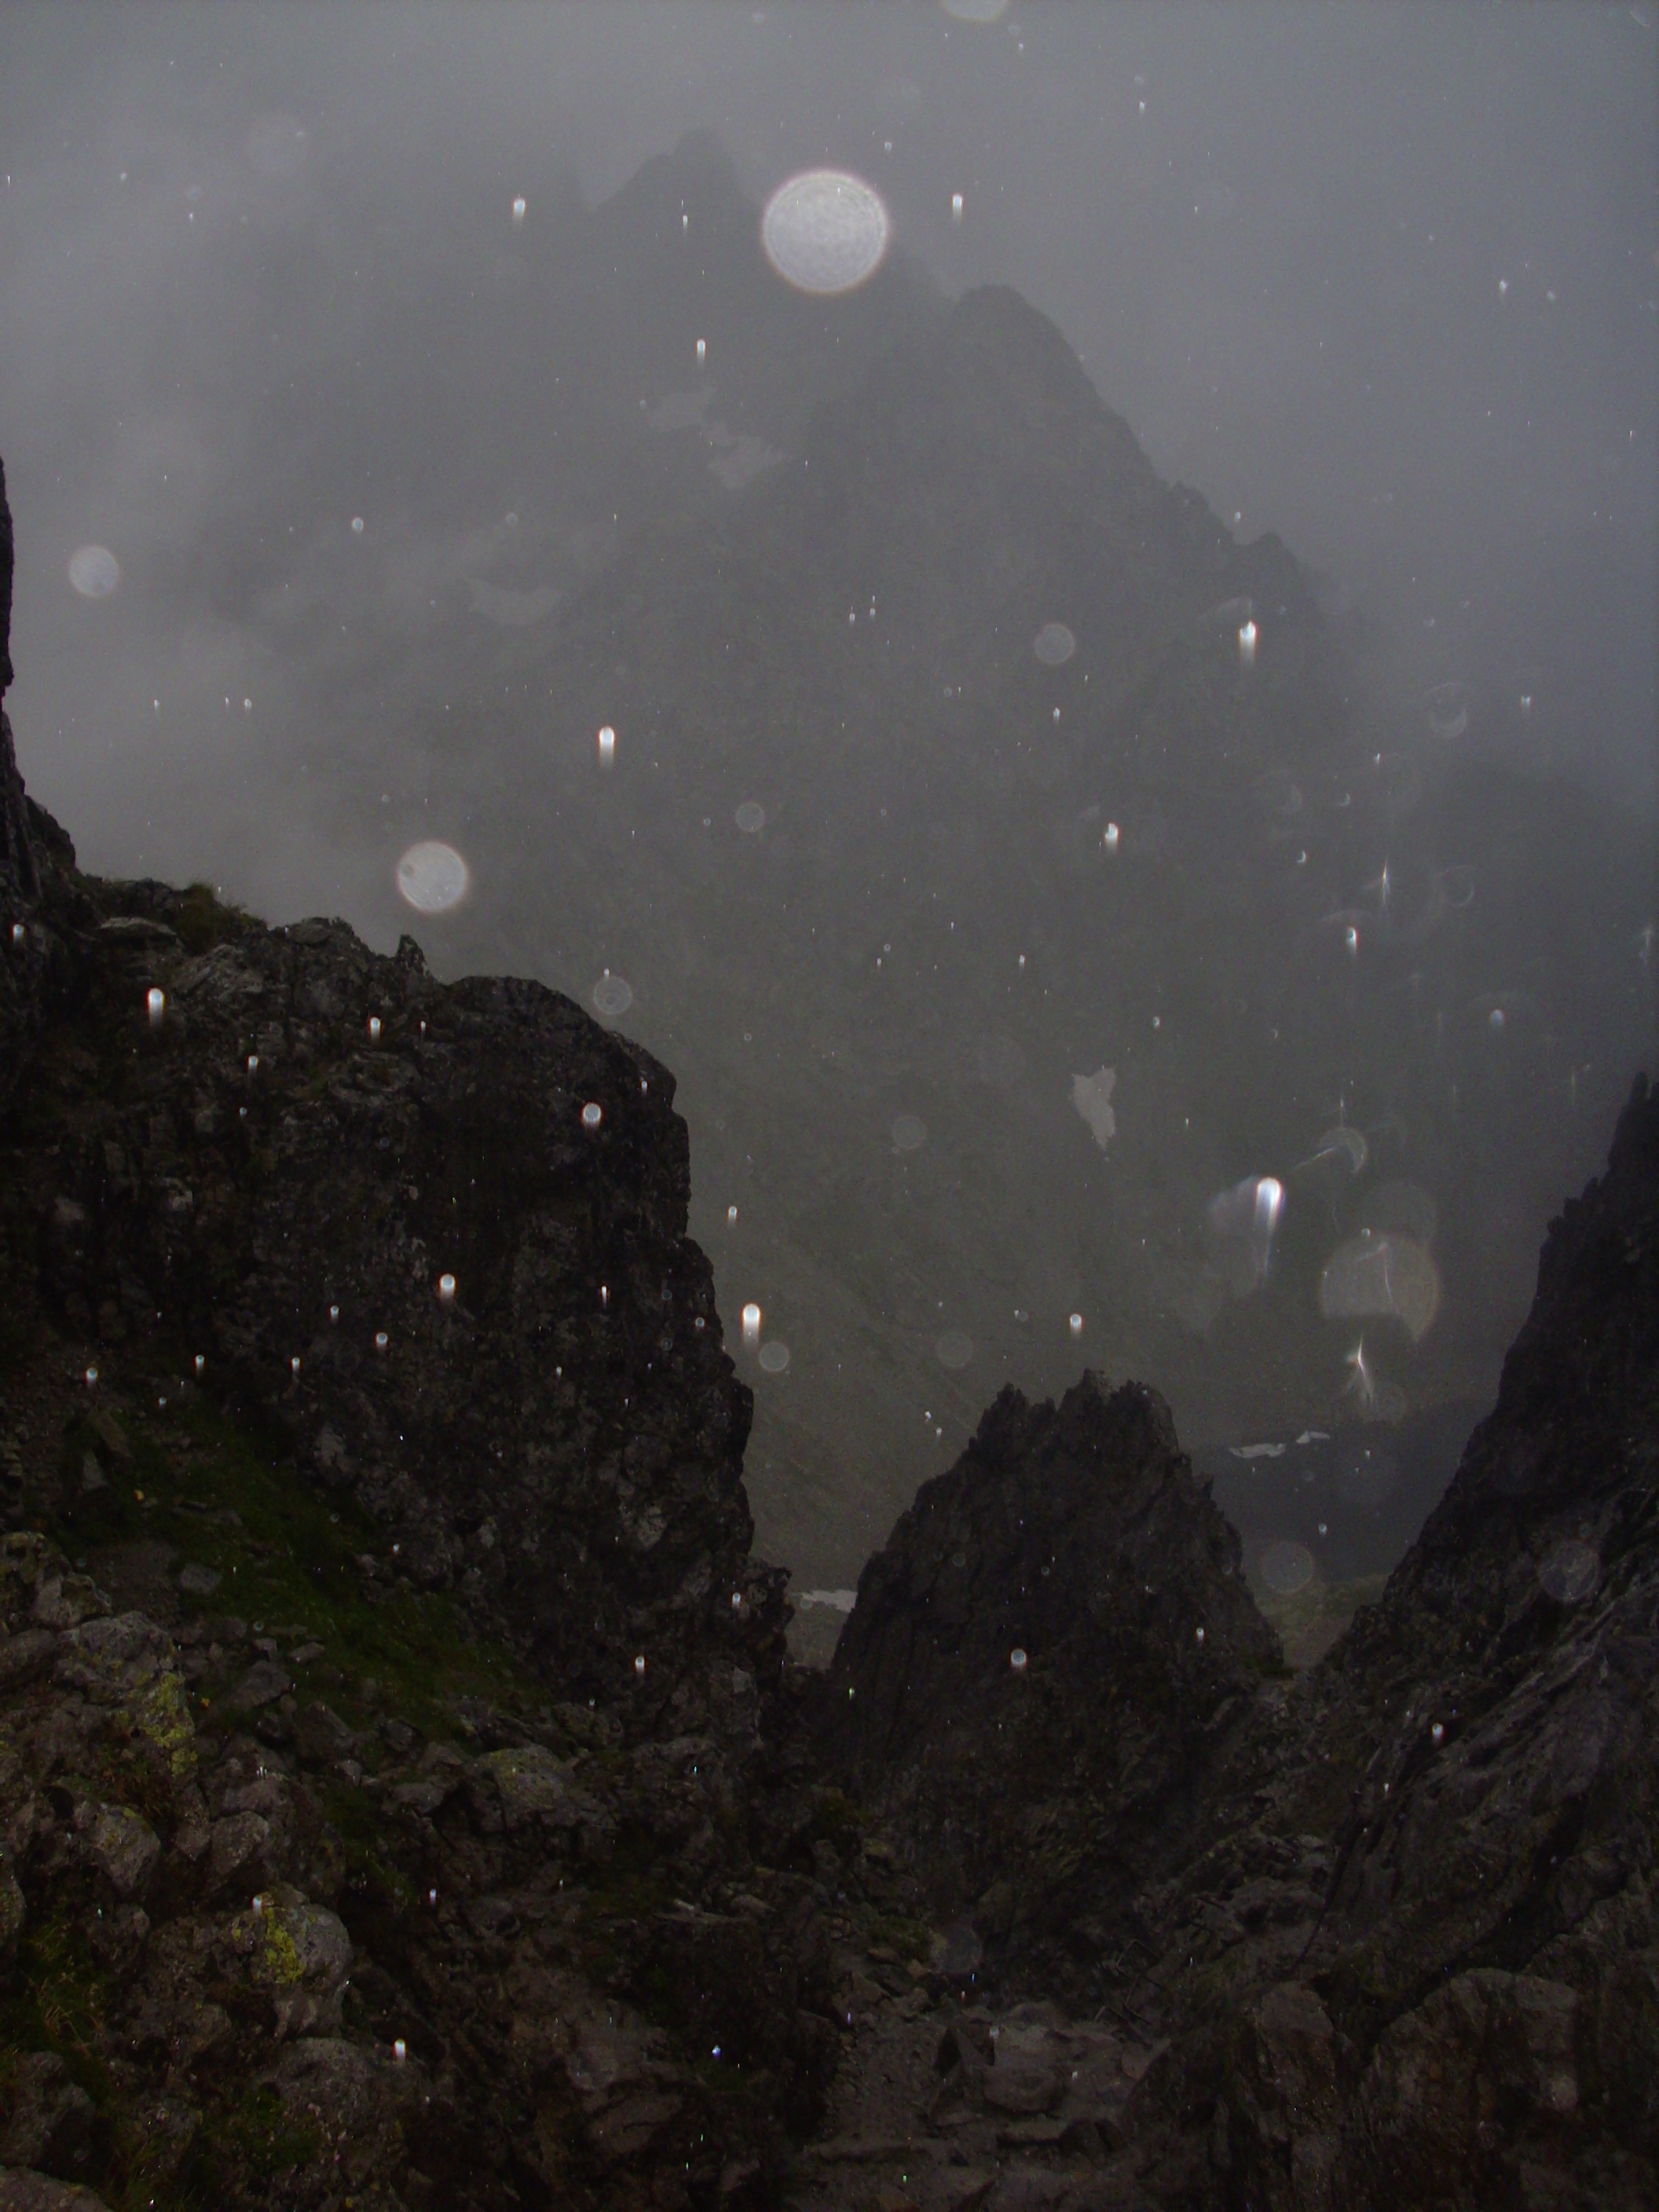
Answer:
(1380, 278)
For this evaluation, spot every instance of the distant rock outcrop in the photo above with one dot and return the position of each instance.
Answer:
(1042, 1662)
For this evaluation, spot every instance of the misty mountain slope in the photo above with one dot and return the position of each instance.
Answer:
(935, 920)
(569, 522)
(486, 397)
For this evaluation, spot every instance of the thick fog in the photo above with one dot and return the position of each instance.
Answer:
(362, 369)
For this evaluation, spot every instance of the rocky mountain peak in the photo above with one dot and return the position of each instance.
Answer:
(1060, 1620)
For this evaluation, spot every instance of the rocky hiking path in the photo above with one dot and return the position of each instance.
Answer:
(943, 2106)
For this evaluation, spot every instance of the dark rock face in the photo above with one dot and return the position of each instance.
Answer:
(1469, 1780)
(1042, 1664)
(281, 1173)
(321, 1957)
(1508, 1676)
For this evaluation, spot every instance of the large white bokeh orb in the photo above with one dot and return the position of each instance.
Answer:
(94, 571)
(433, 878)
(825, 230)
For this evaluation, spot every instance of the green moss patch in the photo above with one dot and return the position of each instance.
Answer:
(204, 919)
(287, 1555)
(56, 2001)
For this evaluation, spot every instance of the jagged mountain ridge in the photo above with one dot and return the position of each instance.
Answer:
(931, 920)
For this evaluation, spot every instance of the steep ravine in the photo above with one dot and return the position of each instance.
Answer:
(405, 1798)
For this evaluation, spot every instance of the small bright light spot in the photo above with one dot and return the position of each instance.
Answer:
(356, 525)
(399, 2050)
(334, 1313)
(18, 932)
(381, 1340)
(607, 746)
(639, 1667)
(592, 1115)
(446, 1289)
(374, 1029)
(156, 1001)
(91, 1376)
(751, 1325)
(956, 207)
(201, 1361)
(519, 209)
(1247, 644)
(1017, 1659)
(294, 1362)
(1075, 1324)
(731, 1216)
(1110, 839)
(702, 351)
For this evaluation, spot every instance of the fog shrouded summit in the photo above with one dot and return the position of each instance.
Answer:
(1198, 932)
